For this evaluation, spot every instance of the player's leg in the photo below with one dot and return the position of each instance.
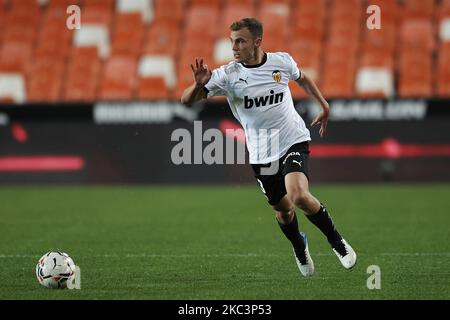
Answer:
(287, 220)
(273, 188)
(297, 188)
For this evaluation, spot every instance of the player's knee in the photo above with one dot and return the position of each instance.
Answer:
(300, 198)
(285, 216)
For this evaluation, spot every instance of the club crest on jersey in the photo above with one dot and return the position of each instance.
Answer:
(276, 75)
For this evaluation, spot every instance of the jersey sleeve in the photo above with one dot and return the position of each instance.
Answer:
(294, 71)
(217, 85)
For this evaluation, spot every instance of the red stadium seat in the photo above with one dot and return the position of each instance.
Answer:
(45, 79)
(128, 34)
(15, 57)
(44, 87)
(162, 38)
(416, 34)
(213, 4)
(153, 89)
(442, 79)
(418, 9)
(2, 21)
(415, 82)
(244, 3)
(171, 11)
(108, 5)
(326, 37)
(82, 77)
(119, 78)
(231, 14)
(63, 4)
(338, 81)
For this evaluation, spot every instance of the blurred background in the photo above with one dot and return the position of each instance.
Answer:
(98, 104)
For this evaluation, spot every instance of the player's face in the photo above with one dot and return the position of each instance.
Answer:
(244, 45)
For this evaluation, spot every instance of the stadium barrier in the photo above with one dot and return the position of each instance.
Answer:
(119, 143)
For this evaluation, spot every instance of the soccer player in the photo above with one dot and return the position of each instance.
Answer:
(256, 87)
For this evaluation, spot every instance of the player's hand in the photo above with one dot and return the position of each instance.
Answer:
(201, 73)
(322, 119)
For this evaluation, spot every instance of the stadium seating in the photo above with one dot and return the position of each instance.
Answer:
(442, 78)
(40, 61)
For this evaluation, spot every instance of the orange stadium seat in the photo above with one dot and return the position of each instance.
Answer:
(171, 11)
(417, 34)
(195, 48)
(128, 34)
(44, 86)
(245, 3)
(377, 58)
(418, 9)
(308, 57)
(213, 4)
(2, 21)
(302, 49)
(162, 38)
(195, 22)
(53, 40)
(44, 81)
(97, 15)
(232, 13)
(22, 23)
(383, 39)
(153, 89)
(82, 77)
(443, 10)
(15, 57)
(276, 25)
(415, 81)
(274, 2)
(338, 81)
(309, 8)
(273, 15)
(98, 11)
(63, 4)
(119, 78)
(442, 79)
(33, 44)
(101, 4)
(306, 27)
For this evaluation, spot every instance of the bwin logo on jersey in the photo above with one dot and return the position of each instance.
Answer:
(263, 101)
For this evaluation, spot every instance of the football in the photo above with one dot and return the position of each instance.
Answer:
(55, 269)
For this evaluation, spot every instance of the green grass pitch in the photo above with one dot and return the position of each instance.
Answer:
(218, 242)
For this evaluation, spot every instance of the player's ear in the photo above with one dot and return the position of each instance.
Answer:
(258, 42)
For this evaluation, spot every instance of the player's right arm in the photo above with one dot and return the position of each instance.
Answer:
(196, 91)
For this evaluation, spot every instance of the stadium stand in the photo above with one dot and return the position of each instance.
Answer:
(141, 49)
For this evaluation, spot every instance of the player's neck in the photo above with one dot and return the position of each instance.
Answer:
(257, 59)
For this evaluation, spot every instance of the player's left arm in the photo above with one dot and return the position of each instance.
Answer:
(313, 91)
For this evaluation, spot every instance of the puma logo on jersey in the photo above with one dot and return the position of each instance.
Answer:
(244, 80)
(263, 101)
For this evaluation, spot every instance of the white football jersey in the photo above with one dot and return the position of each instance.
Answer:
(261, 101)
